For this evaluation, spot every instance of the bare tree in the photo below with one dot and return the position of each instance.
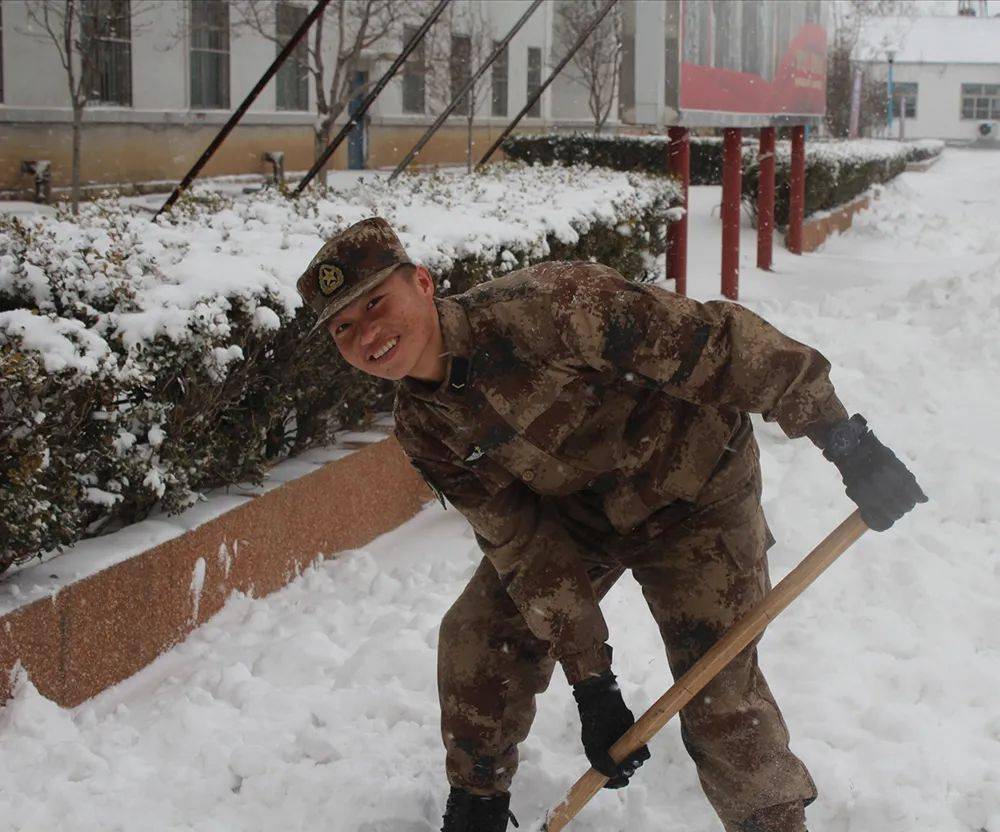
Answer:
(849, 18)
(75, 28)
(346, 39)
(455, 51)
(595, 66)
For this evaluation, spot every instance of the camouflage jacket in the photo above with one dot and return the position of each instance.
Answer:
(566, 376)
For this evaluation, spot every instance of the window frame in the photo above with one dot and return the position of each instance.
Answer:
(414, 83)
(291, 92)
(980, 97)
(500, 80)
(460, 71)
(107, 67)
(221, 56)
(911, 101)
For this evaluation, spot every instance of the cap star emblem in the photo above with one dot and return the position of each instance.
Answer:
(331, 279)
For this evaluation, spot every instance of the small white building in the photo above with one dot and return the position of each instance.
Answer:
(946, 74)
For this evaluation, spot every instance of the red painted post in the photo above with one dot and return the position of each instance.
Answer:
(765, 200)
(797, 197)
(732, 176)
(679, 164)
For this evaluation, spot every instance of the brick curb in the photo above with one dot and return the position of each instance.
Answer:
(816, 232)
(100, 630)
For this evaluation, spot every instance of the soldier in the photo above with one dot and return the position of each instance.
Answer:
(585, 425)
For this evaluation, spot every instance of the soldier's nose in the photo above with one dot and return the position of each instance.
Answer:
(370, 335)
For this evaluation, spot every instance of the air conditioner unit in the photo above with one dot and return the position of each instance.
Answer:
(989, 131)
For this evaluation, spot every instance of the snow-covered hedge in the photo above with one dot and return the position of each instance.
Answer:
(836, 171)
(923, 149)
(629, 153)
(143, 362)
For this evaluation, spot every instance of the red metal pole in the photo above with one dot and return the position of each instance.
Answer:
(765, 200)
(797, 198)
(732, 175)
(679, 164)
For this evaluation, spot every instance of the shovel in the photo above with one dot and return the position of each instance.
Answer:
(704, 670)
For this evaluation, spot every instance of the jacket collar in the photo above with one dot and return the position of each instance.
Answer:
(456, 332)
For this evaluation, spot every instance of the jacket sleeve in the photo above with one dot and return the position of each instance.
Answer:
(536, 561)
(716, 353)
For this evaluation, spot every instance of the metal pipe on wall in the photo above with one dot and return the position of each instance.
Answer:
(234, 119)
(465, 88)
(552, 76)
(412, 44)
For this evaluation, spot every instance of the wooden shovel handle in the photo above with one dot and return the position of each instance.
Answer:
(704, 670)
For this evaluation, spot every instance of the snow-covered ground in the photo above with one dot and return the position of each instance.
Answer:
(315, 708)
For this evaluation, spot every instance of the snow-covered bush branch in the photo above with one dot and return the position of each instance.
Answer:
(143, 362)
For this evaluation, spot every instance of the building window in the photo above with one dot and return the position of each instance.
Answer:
(414, 70)
(905, 93)
(106, 30)
(981, 101)
(534, 79)
(500, 74)
(209, 54)
(293, 75)
(461, 71)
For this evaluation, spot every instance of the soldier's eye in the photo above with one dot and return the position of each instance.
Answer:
(340, 329)
(374, 301)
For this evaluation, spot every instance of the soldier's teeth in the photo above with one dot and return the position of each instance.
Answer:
(384, 349)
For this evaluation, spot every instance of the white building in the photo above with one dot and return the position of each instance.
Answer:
(170, 72)
(946, 68)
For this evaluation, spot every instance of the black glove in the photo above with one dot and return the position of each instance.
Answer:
(883, 488)
(605, 717)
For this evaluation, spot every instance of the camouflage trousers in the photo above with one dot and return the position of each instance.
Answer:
(700, 566)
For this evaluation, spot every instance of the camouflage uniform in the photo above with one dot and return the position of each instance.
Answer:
(587, 425)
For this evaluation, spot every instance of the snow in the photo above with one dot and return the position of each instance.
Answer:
(934, 39)
(316, 707)
(179, 277)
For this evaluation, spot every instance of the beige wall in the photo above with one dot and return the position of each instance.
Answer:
(127, 154)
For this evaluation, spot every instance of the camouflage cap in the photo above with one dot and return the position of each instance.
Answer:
(348, 265)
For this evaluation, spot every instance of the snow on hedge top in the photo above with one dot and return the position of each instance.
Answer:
(128, 278)
(840, 150)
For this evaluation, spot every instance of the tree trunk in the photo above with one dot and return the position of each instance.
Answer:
(75, 168)
(321, 140)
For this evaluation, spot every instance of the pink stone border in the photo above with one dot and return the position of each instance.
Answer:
(815, 232)
(100, 630)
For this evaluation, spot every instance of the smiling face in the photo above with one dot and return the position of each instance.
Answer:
(392, 331)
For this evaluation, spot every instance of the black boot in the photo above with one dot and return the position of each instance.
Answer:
(468, 812)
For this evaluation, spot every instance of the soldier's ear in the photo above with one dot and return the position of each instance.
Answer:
(423, 281)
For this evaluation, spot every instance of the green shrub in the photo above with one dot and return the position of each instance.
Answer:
(836, 172)
(112, 403)
(647, 154)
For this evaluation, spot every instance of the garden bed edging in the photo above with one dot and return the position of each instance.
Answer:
(83, 637)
